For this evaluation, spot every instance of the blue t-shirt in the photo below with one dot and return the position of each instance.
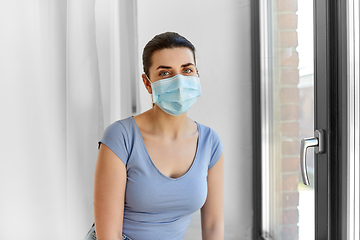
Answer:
(157, 206)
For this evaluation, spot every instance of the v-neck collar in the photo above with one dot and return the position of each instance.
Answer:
(152, 163)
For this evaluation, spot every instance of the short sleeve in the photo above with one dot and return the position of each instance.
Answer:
(216, 148)
(116, 138)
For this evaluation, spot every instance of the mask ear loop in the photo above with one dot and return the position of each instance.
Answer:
(148, 78)
(152, 99)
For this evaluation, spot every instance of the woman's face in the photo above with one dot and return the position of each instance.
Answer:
(169, 62)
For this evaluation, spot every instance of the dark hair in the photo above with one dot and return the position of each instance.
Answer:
(162, 41)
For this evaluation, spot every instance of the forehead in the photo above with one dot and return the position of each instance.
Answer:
(172, 57)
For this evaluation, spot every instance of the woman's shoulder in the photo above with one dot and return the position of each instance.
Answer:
(122, 123)
(211, 141)
(120, 127)
(126, 122)
(118, 136)
(205, 128)
(208, 132)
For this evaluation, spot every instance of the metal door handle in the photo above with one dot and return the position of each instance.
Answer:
(318, 143)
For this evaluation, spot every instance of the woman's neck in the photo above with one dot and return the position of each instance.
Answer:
(172, 126)
(158, 122)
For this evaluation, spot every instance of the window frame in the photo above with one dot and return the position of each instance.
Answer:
(331, 42)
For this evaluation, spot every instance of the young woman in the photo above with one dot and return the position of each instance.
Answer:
(156, 169)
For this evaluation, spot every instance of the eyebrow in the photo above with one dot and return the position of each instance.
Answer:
(187, 64)
(168, 67)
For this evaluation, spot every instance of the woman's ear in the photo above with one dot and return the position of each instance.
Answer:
(147, 83)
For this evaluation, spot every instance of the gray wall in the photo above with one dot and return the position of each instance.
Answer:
(221, 33)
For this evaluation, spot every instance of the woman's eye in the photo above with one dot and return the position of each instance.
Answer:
(163, 73)
(188, 70)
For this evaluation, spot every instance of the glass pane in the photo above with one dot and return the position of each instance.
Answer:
(291, 105)
(306, 121)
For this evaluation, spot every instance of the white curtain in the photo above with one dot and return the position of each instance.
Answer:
(54, 107)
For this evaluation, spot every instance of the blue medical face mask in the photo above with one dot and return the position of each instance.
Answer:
(177, 94)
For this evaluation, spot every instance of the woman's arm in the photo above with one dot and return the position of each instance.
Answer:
(212, 220)
(109, 192)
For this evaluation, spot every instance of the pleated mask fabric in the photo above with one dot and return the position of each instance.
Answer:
(177, 94)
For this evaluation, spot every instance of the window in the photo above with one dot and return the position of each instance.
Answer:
(286, 92)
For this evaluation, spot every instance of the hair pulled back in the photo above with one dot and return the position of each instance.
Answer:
(163, 41)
